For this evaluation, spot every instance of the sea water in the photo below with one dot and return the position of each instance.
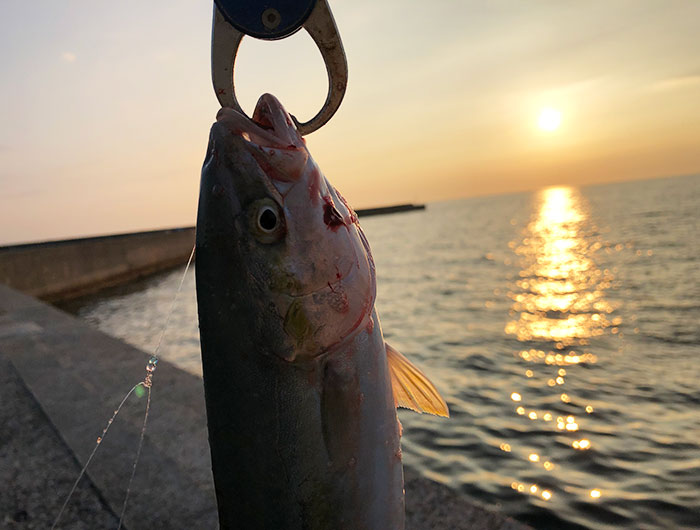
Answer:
(563, 328)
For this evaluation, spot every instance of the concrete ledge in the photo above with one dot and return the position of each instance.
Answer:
(78, 376)
(35, 466)
(75, 377)
(58, 270)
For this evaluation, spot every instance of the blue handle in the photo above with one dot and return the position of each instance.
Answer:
(266, 19)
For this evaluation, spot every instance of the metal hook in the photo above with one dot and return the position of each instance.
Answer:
(320, 25)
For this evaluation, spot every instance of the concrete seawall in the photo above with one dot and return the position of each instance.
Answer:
(58, 270)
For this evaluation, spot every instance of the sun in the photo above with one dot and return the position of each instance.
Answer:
(549, 119)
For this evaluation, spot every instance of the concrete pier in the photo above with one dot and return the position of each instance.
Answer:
(58, 270)
(61, 381)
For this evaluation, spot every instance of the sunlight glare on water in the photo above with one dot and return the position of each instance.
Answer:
(560, 295)
(559, 303)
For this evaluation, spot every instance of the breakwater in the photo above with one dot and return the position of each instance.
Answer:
(59, 270)
(365, 212)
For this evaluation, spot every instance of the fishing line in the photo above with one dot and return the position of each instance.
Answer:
(138, 450)
(146, 383)
(97, 444)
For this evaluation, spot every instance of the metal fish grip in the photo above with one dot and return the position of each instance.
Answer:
(272, 20)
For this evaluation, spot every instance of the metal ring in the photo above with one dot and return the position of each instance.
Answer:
(320, 25)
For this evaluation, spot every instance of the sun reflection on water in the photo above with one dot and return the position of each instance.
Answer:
(558, 308)
(561, 289)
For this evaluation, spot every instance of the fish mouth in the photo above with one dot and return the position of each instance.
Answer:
(272, 138)
(271, 125)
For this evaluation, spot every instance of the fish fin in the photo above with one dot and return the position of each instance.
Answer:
(411, 387)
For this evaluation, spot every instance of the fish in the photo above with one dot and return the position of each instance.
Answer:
(300, 387)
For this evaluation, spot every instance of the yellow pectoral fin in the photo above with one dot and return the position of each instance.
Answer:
(412, 389)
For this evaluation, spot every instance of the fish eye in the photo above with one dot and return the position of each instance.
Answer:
(267, 219)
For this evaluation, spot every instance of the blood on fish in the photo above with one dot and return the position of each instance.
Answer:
(370, 326)
(331, 216)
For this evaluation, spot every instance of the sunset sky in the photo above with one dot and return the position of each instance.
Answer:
(106, 106)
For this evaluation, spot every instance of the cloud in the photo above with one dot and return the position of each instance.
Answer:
(675, 83)
(68, 57)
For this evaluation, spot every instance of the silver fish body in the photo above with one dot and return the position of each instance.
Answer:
(302, 423)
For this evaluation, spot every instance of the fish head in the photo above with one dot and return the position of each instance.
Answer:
(281, 243)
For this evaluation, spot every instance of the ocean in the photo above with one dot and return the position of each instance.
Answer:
(563, 328)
